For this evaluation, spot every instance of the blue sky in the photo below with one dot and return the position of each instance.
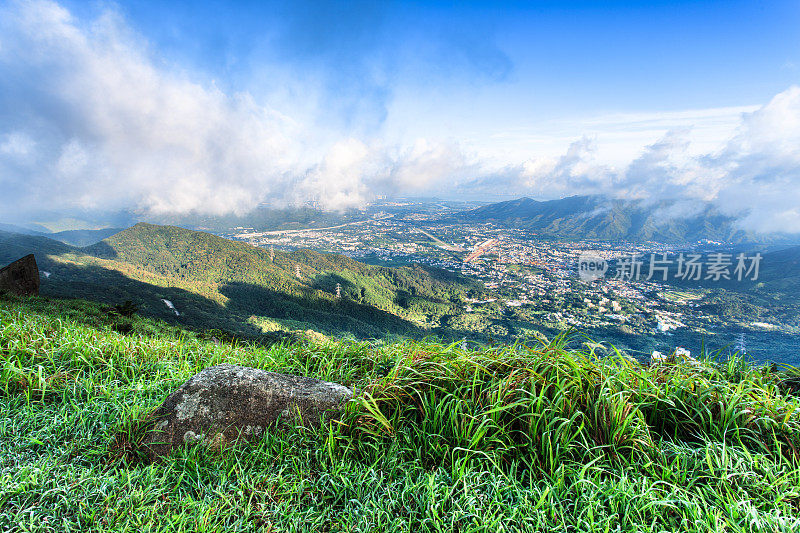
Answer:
(342, 102)
(547, 58)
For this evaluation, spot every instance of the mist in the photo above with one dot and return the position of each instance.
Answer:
(94, 120)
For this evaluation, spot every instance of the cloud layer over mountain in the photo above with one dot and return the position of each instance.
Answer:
(92, 118)
(754, 176)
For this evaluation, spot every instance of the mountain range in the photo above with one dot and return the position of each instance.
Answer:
(573, 218)
(75, 237)
(208, 283)
(601, 218)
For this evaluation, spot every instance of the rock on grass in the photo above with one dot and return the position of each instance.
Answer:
(228, 403)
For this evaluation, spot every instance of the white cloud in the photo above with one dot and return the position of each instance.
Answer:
(757, 174)
(617, 138)
(113, 130)
(754, 175)
(353, 173)
(17, 145)
(575, 172)
(332, 183)
(109, 126)
(93, 119)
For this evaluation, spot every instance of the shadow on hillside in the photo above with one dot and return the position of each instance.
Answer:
(335, 316)
(332, 315)
(15, 246)
(327, 282)
(94, 283)
(66, 280)
(110, 287)
(100, 249)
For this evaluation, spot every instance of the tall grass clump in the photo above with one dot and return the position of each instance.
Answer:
(545, 404)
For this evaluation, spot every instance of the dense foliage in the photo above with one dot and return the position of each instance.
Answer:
(215, 283)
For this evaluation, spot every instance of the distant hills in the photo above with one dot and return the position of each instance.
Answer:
(215, 283)
(83, 237)
(77, 237)
(24, 230)
(600, 218)
(780, 272)
(261, 218)
(208, 283)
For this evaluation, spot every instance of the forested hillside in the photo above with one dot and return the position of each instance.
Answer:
(214, 283)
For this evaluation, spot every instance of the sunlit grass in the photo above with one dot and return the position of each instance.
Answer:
(549, 436)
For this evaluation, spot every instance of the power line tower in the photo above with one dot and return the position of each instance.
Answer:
(271, 254)
(740, 345)
(297, 272)
(338, 290)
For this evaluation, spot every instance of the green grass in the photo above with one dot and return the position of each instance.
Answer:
(550, 437)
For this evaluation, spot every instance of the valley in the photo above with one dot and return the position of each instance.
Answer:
(411, 269)
(535, 287)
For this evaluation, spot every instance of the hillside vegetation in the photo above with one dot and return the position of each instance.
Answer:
(546, 437)
(215, 283)
(241, 290)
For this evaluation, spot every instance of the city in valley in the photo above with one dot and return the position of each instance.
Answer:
(533, 285)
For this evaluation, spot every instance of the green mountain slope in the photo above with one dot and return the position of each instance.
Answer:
(779, 277)
(15, 245)
(217, 283)
(599, 218)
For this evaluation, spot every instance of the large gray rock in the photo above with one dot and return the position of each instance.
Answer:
(21, 277)
(228, 403)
